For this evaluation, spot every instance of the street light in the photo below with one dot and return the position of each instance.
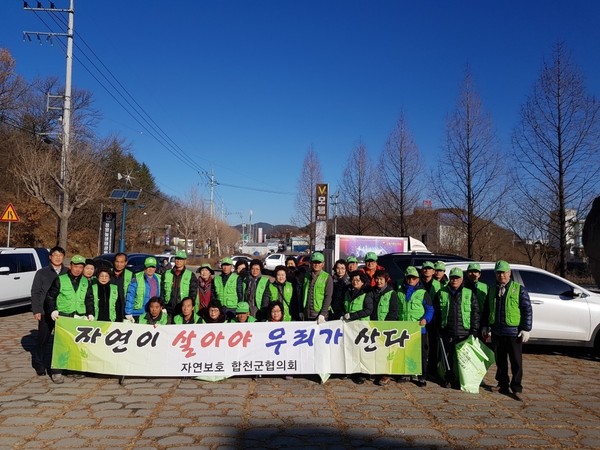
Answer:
(124, 194)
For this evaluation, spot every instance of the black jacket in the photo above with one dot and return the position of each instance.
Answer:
(42, 281)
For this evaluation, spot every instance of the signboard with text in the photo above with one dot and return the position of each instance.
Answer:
(237, 348)
(107, 234)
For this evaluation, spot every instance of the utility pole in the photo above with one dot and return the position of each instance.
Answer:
(66, 119)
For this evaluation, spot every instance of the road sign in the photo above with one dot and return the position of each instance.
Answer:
(9, 214)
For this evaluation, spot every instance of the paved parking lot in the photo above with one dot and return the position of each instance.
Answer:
(560, 407)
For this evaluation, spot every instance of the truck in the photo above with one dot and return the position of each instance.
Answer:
(340, 246)
(17, 269)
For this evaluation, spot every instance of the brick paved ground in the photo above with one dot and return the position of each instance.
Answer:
(560, 408)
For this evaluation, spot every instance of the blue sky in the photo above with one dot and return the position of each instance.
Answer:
(244, 88)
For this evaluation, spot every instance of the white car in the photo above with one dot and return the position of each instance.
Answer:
(563, 312)
(17, 269)
(273, 260)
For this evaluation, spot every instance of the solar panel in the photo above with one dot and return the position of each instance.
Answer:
(117, 194)
(132, 195)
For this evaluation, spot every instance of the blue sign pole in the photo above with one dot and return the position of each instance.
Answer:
(123, 219)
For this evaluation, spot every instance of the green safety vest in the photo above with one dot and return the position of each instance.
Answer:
(355, 304)
(481, 290)
(318, 290)
(178, 319)
(141, 289)
(184, 287)
(164, 319)
(112, 301)
(227, 294)
(127, 276)
(465, 306)
(513, 313)
(413, 310)
(68, 300)
(435, 287)
(261, 285)
(288, 291)
(383, 307)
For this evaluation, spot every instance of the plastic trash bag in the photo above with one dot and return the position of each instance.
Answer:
(474, 359)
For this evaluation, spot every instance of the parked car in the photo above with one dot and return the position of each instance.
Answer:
(236, 258)
(135, 261)
(563, 312)
(17, 269)
(303, 261)
(273, 260)
(396, 263)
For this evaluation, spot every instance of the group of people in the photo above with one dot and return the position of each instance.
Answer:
(447, 309)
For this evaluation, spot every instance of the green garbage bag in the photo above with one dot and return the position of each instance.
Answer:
(474, 358)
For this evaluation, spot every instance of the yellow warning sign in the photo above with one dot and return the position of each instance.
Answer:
(9, 214)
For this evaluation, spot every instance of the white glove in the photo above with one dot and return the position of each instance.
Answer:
(129, 318)
(346, 316)
(54, 315)
(75, 316)
(91, 317)
(524, 335)
(320, 319)
(164, 311)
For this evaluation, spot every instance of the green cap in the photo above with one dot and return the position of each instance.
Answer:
(318, 257)
(501, 266)
(428, 265)
(439, 265)
(78, 259)
(411, 271)
(206, 266)
(351, 259)
(150, 262)
(242, 308)
(456, 272)
(474, 267)
(181, 254)
(371, 256)
(226, 261)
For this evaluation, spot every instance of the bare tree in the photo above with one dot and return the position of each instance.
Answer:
(310, 176)
(468, 180)
(192, 217)
(38, 168)
(356, 196)
(557, 150)
(399, 180)
(12, 86)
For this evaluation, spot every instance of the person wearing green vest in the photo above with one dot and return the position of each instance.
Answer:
(228, 287)
(385, 307)
(317, 289)
(121, 276)
(415, 305)
(472, 282)
(440, 273)
(283, 291)
(70, 295)
(242, 314)
(457, 312)
(144, 286)
(358, 305)
(432, 286)
(107, 302)
(254, 287)
(508, 317)
(188, 314)
(156, 314)
(178, 283)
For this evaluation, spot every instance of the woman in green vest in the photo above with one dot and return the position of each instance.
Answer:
(283, 291)
(358, 305)
(108, 305)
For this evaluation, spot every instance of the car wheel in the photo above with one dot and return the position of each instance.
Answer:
(596, 350)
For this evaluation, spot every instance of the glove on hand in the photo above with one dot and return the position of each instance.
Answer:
(320, 319)
(524, 335)
(91, 317)
(346, 316)
(129, 318)
(54, 315)
(76, 316)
